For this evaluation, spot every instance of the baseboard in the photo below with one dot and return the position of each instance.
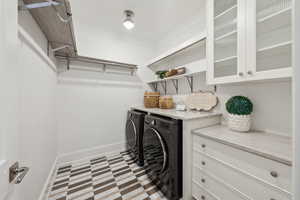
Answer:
(45, 189)
(92, 152)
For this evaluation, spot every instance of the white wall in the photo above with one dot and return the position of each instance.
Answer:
(111, 46)
(38, 138)
(92, 109)
(296, 63)
(182, 33)
(272, 101)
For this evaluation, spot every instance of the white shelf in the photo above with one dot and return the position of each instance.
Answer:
(225, 35)
(177, 49)
(275, 46)
(176, 77)
(225, 12)
(278, 13)
(225, 59)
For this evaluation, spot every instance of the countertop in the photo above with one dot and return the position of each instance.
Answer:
(267, 145)
(183, 115)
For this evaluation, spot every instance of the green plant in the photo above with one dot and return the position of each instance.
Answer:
(161, 74)
(239, 105)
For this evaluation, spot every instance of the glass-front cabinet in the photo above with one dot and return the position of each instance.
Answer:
(249, 40)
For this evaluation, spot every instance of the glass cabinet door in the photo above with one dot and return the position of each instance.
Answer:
(225, 38)
(273, 35)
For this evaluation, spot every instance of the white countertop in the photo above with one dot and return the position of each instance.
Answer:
(183, 115)
(274, 147)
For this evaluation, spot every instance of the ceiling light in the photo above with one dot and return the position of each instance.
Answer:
(128, 22)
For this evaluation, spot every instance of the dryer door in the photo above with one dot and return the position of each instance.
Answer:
(131, 135)
(155, 152)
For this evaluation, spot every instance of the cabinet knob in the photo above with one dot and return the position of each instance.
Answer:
(241, 74)
(249, 72)
(274, 174)
(203, 163)
(203, 197)
(203, 145)
(203, 180)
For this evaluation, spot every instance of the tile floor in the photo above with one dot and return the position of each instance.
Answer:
(111, 177)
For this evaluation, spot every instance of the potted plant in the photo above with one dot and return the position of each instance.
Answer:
(161, 74)
(239, 109)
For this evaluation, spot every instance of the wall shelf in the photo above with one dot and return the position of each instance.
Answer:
(177, 57)
(178, 49)
(174, 79)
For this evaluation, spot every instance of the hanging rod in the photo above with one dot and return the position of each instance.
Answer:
(98, 61)
(62, 47)
(61, 18)
(46, 3)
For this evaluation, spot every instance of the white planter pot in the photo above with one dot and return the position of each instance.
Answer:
(240, 123)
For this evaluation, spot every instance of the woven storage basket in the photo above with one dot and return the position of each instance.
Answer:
(151, 99)
(166, 102)
(240, 123)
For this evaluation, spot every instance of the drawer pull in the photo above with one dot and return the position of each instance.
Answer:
(203, 145)
(203, 180)
(274, 174)
(272, 199)
(203, 163)
(203, 197)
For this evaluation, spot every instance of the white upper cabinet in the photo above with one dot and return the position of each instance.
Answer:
(248, 40)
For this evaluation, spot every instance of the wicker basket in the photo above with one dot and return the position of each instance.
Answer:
(166, 102)
(240, 123)
(151, 99)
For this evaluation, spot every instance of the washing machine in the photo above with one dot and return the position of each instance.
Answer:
(134, 133)
(162, 145)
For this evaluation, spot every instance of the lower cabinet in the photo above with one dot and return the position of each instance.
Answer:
(223, 172)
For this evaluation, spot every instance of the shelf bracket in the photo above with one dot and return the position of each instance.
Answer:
(68, 64)
(190, 80)
(154, 85)
(164, 86)
(175, 83)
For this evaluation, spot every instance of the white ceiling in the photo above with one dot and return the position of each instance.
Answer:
(99, 22)
(153, 18)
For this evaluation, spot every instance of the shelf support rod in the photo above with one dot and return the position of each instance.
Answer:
(154, 85)
(164, 86)
(190, 80)
(68, 64)
(175, 83)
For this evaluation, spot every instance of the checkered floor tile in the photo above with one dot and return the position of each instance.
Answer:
(111, 177)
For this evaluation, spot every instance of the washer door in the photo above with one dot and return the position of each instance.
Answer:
(131, 135)
(155, 151)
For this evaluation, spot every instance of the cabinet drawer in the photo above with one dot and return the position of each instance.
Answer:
(200, 193)
(241, 180)
(217, 186)
(266, 170)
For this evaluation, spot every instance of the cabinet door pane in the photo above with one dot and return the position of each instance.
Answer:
(274, 34)
(225, 38)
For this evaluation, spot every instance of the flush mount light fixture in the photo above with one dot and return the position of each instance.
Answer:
(128, 22)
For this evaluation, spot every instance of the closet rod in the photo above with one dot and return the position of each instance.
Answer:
(98, 61)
